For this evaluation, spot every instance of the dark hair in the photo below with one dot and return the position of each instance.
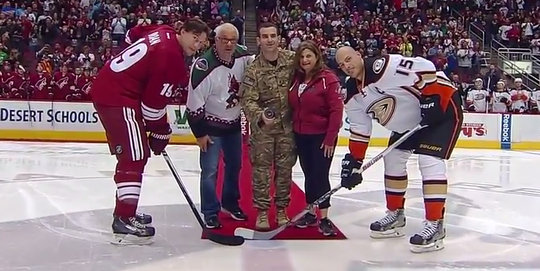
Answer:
(312, 46)
(196, 26)
(267, 25)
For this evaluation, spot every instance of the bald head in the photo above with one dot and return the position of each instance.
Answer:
(344, 51)
(349, 61)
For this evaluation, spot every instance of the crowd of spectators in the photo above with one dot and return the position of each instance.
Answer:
(512, 23)
(52, 49)
(436, 30)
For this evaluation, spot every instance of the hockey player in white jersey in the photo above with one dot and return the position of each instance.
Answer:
(477, 97)
(520, 97)
(500, 98)
(400, 93)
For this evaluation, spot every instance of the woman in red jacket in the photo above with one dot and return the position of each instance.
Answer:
(317, 109)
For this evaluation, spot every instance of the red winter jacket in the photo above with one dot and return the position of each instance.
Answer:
(319, 107)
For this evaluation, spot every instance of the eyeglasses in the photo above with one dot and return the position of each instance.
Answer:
(226, 41)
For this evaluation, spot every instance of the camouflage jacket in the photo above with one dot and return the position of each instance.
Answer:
(267, 86)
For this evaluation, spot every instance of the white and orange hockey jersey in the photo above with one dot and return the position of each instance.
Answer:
(390, 95)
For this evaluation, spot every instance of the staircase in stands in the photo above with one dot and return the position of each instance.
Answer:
(505, 58)
(250, 25)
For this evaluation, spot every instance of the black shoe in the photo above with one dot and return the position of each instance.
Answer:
(212, 222)
(143, 218)
(129, 231)
(326, 227)
(308, 220)
(236, 213)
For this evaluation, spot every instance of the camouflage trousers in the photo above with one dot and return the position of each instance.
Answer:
(266, 151)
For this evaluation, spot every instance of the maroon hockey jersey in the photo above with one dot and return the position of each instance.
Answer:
(40, 86)
(144, 76)
(63, 85)
(140, 31)
(16, 87)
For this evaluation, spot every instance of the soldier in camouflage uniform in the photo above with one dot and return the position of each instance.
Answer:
(265, 87)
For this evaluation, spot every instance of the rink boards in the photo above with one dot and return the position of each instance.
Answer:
(78, 122)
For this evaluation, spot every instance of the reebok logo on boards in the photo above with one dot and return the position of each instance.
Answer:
(506, 131)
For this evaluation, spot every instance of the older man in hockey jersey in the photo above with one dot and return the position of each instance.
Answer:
(214, 117)
(264, 100)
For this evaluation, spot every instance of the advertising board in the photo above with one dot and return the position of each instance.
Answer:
(78, 122)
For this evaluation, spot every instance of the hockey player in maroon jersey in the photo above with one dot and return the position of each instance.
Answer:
(63, 83)
(139, 31)
(16, 87)
(40, 84)
(7, 73)
(83, 83)
(130, 95)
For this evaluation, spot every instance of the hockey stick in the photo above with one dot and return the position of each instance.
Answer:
(214, 237)
(267, 235)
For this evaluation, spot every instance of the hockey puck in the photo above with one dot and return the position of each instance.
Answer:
(269, 113)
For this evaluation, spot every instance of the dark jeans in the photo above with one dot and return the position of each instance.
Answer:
(315, 166)
(231, 145)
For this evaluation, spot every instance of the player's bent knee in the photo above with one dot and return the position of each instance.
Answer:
(395, 162)
(129, 170)
(431, 167)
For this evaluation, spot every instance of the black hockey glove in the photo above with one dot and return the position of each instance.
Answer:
(349, 168)
(430, 107)
(158, 142)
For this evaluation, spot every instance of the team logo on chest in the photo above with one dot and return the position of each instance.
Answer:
(234, 87)
(382, 109)
(378, 65)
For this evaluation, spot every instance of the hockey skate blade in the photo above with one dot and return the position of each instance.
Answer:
(395, 233)
(436, 246)
(250, 234)
(131, 240)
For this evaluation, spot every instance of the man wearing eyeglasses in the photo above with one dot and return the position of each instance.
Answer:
(214, 117)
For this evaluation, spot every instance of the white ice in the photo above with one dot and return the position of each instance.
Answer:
(492, 216)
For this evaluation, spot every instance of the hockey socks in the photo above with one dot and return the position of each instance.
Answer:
(395, 189)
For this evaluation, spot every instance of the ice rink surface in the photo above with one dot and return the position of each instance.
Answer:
(56, 202)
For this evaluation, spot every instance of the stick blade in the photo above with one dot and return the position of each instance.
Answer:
(257, 235)
(225, 239)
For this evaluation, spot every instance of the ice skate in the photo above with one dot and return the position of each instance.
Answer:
(430, 238)
(390, 226)
(131, 232)
(143, 218)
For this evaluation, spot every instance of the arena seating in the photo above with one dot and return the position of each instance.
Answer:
(82, 38)
(435, 30)
(79, 38)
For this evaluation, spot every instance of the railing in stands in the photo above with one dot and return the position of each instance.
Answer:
(476, 33)
(536, 63)
(507, 63)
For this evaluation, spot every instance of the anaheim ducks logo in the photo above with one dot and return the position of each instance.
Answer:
(382, 109)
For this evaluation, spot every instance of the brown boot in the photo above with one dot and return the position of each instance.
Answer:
(262, 220)
(281, 217)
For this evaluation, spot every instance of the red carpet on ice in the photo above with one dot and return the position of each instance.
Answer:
(297, 205)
